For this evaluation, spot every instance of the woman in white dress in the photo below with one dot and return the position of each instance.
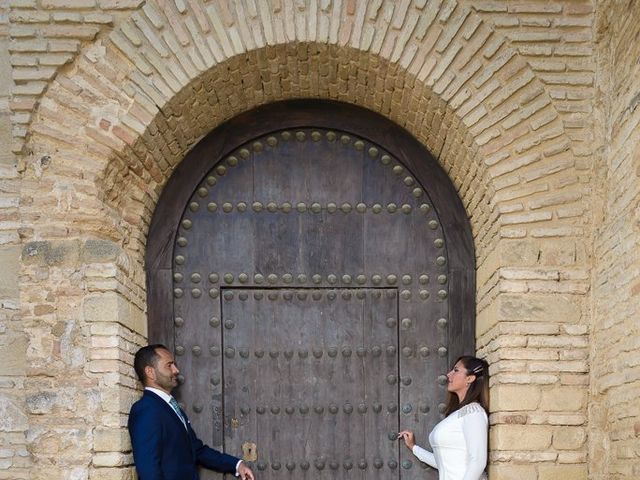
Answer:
(460, 440)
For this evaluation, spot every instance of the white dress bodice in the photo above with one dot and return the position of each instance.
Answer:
(459, 444)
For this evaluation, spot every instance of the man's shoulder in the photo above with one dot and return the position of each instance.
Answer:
(146, 411)
(148, 400)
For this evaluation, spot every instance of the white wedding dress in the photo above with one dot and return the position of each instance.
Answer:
(459, 445)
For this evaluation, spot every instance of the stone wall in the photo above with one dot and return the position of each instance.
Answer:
(615, 346)
(14, 457)
(110, 95)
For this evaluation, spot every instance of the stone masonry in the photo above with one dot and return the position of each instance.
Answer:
(530, 107)
(614, 410)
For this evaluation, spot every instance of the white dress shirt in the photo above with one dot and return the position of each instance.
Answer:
(459, 445)
(167, 398)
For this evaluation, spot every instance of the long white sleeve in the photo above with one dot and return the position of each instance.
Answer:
(424, 456)
(474, 428)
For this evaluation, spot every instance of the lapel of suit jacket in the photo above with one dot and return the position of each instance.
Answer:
(167, 408)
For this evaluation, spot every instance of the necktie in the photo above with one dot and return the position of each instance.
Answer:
(176, 408)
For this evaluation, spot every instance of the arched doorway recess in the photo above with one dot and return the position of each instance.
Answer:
(312, 268)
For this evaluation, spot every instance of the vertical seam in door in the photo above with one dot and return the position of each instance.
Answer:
(223, 402)
(397, 297)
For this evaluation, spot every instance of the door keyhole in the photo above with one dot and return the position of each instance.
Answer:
(249, 452)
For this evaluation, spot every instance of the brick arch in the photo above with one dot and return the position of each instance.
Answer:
(439, 71)
(112, 127)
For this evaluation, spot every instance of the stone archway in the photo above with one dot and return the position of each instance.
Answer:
(114, 125)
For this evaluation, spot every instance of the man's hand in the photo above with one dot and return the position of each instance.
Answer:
(245, 472)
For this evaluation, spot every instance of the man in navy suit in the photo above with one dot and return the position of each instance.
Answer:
(165, 447)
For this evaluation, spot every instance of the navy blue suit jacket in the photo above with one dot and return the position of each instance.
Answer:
(163, 449)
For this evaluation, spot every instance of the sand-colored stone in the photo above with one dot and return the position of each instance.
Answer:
(510, 472)
(105, 307)
(111, 440)
(563, 399)
(13, 350)
(530, 107)
(564, 472)
(111, 474)
(520, 437)
(505, 398)
(10, 261)
(548, 308)
(569, 438)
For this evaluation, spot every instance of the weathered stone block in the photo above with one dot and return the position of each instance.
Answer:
(557, 253)
(106, 307)
(511, 472)
(510, 253)
(103, 18)
(527, 437)
(58, 253)
(564, 472)
(119, 4)
(569, 438)
(514, 397)
(13, 350)
(577, 418)
(111, 459)
(111, 440)
(15, 474)
(45, 309)
(100, 251)
(486, 318)
(104, 366)
(572, 457)
(68, 4)
(12, 417)
(578, 366)
(111, 473)
(570, 398)
(60, 45)
(112, 353)
(41, 402)
(9, 271)
(532, 307)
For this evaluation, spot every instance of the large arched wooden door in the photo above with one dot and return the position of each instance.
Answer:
(312, 268)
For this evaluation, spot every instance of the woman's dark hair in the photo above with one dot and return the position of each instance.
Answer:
(146, 357)
(478, 389)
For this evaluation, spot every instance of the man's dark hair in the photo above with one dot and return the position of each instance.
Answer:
(146, 357)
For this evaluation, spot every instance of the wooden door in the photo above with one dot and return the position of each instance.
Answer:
(310, 380)
(314, 293)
